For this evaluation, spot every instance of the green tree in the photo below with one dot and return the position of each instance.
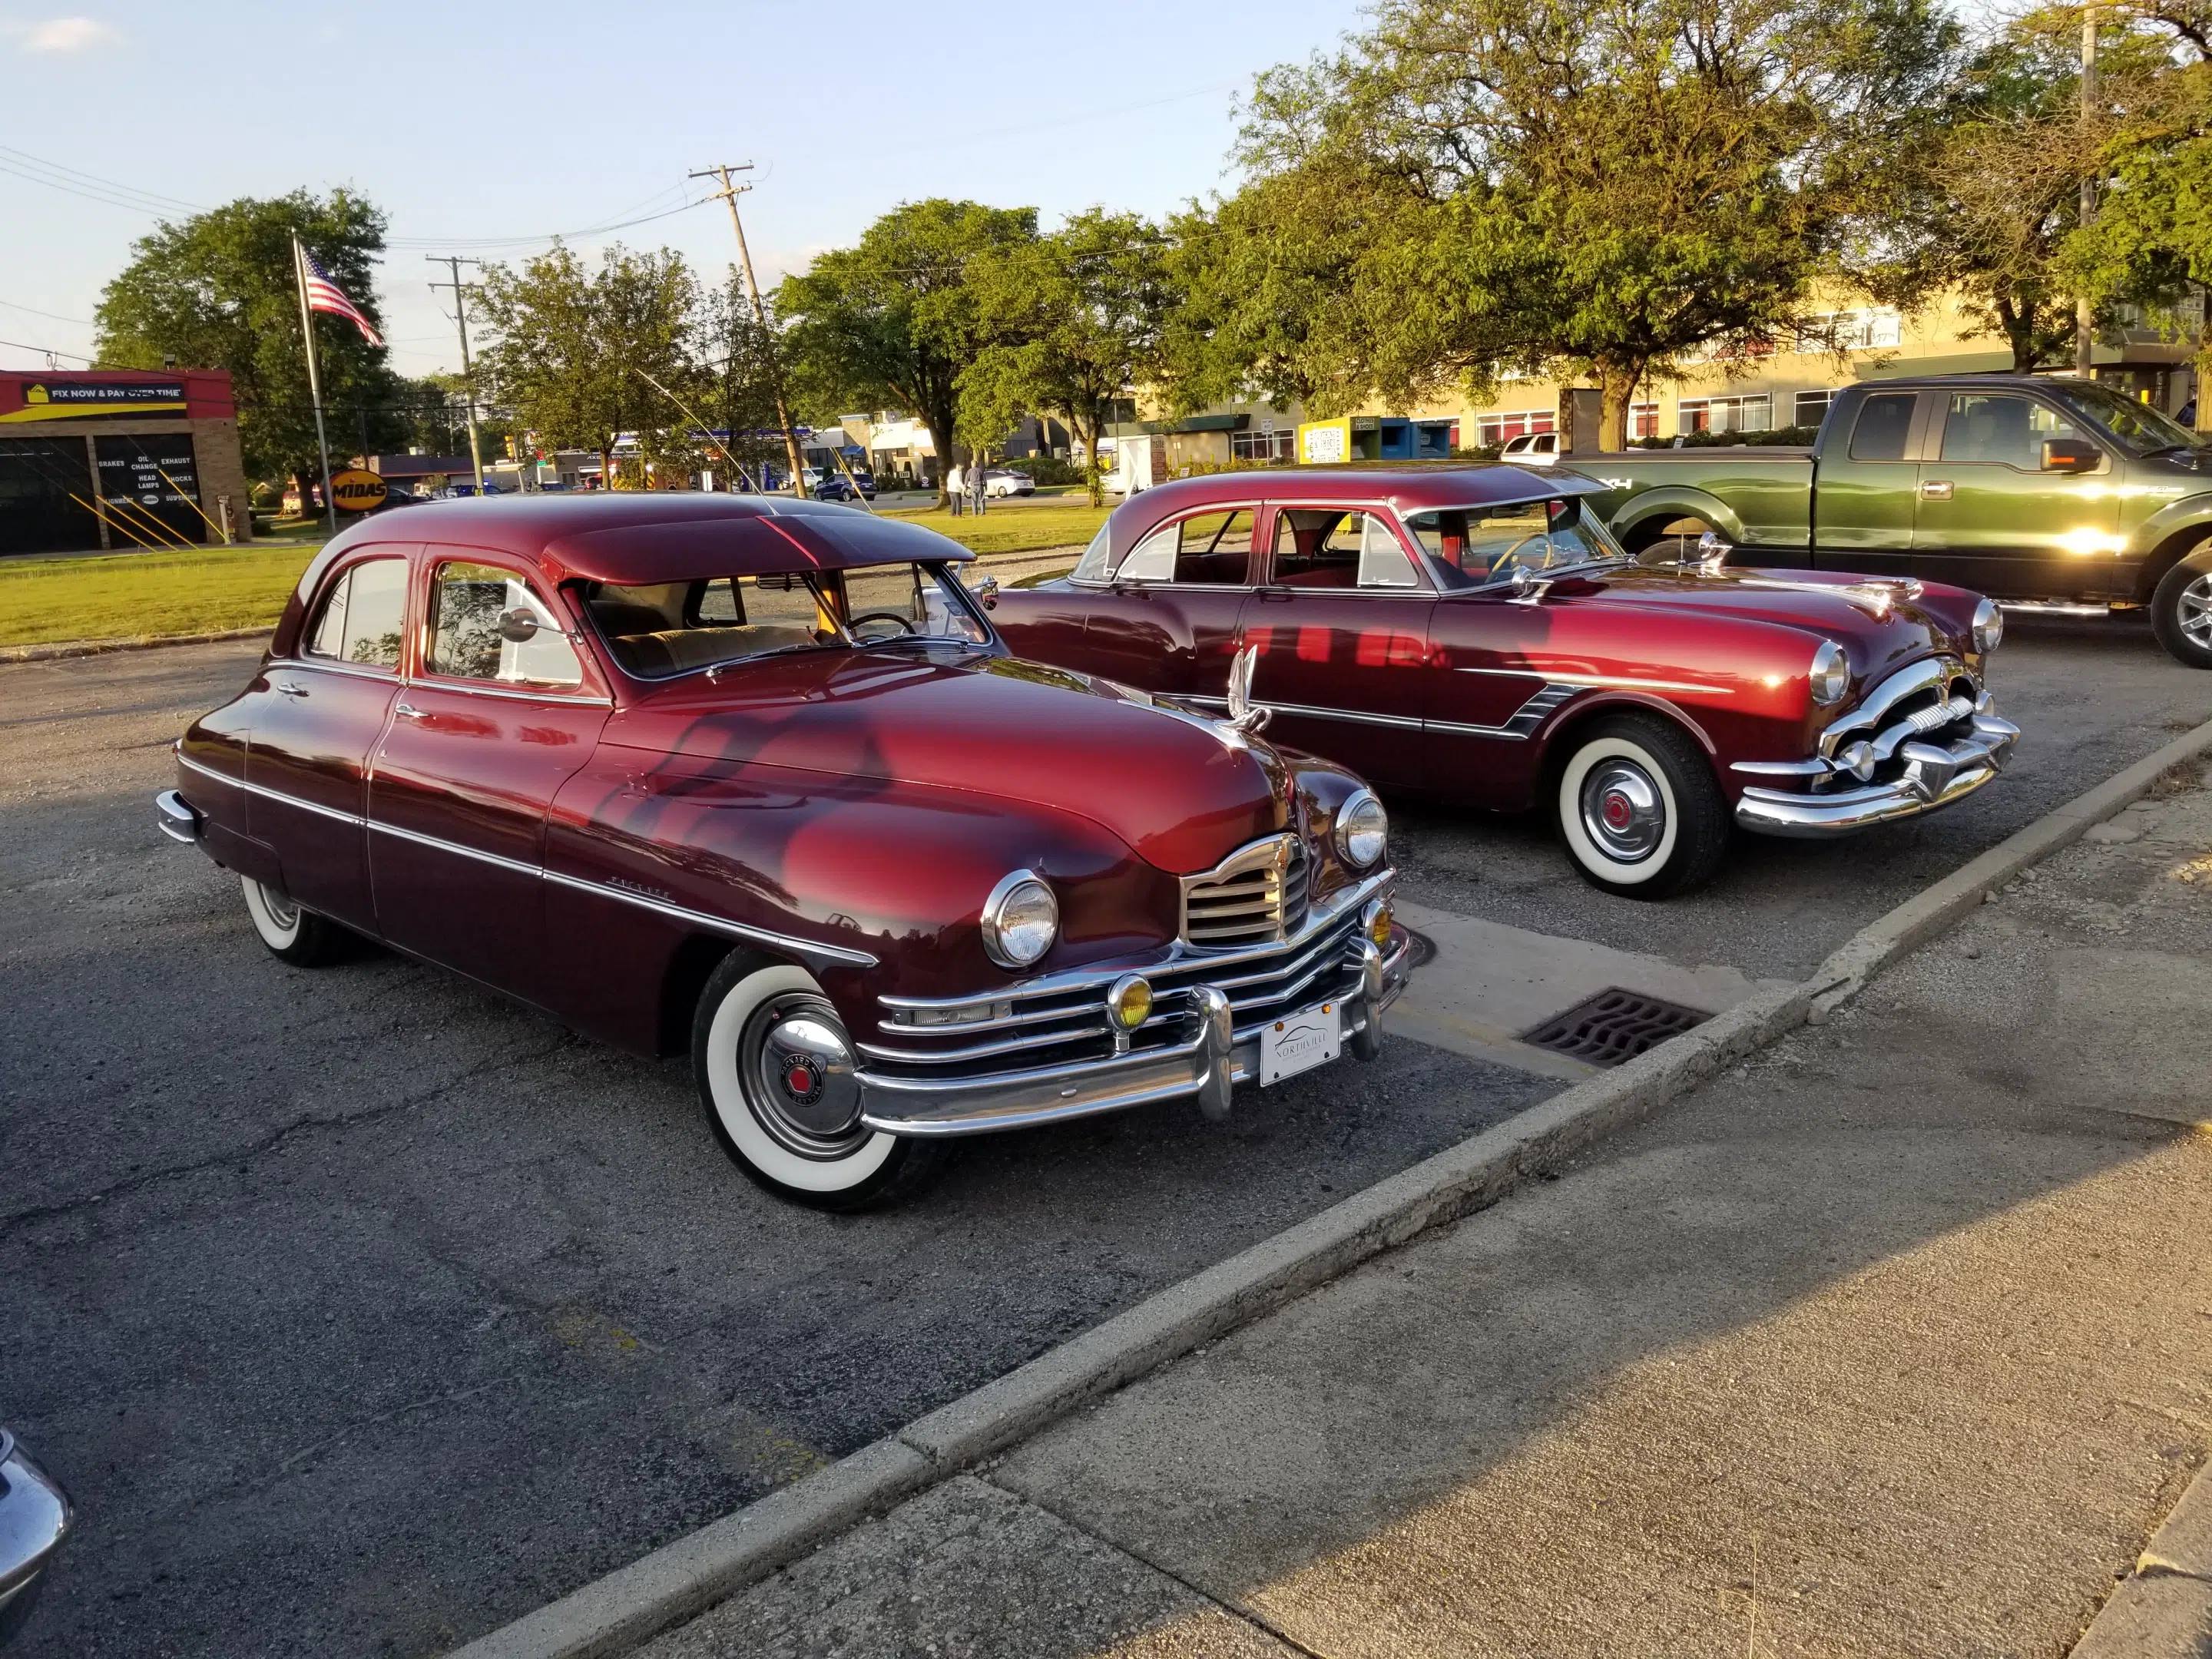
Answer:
(1474, 186)
(894, 321)
(733, 380)
(1073, 322)
(574, 353)
(217, 291)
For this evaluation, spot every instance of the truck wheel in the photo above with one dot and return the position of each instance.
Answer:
(2181, 609)
(1638, 808)
(774, 1071)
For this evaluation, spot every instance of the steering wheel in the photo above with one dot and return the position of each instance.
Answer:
(1512, 555)
(898, 620)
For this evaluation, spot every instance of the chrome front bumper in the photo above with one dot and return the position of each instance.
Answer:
(1209, 1055)
(34, 1518)
(1935, 775)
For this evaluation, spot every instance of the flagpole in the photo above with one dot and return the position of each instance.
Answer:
(315, 380)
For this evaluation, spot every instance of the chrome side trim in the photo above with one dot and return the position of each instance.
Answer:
(1402, 721)
(512, 693)
(808, 948)
(332, 665)
(1621, 682)
(1797, 768)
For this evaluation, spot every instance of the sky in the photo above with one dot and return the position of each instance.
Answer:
(483, 130)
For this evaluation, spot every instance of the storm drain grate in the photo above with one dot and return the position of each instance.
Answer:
(1612, 1026)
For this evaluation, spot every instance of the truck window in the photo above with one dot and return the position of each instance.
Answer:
(2001, 430)
(1884, 423)
(1469, 547)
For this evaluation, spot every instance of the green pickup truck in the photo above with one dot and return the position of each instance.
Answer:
(2020, 487)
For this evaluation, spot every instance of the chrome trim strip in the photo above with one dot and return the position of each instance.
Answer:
(1815, 768)
(512, 693)
(1399, 720)
(801, 947)
(332, 665)
(1622, 682)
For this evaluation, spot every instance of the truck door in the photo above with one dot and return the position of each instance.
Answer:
(1992, 519)
(1864, 484)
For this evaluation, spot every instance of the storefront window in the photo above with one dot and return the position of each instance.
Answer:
(1281, 445)
(1493, 429)
(1750, 414)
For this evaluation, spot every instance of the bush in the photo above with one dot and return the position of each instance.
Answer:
(1047, 470)
(1477, 451)
(1780, 435)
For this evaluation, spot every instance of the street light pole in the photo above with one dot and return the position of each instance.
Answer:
(468, 375)
(730, 192)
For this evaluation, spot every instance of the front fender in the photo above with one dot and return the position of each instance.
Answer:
(2176, 527)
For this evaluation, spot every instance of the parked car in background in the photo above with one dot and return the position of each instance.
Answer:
(2022, 487)
(1532, 449)
(836, 487)
(400, 495)
(1004, 481)
(34, 1517)
(1475, 632)
(753, 778)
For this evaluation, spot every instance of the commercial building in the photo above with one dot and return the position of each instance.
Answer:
(119, 460)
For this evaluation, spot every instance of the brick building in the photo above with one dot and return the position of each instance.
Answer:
(119, 460)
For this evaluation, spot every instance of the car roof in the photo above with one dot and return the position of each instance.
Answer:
(635, 538)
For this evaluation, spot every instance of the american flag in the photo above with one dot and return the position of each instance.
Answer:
(324, 294)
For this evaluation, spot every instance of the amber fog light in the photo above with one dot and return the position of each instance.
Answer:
(1376, 921)
(1130, 1001)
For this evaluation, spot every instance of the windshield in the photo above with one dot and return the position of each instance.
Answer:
(2137, 426)
(1472, 546)
(669, 628)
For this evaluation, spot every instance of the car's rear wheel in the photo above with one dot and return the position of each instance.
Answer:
(776, 1071)
(2181, 609)
(293, 934)
(1638, 808)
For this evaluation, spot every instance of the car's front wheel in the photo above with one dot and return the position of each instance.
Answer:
(1639, 807)
(292, 934)
(776, 1071)
(2181, 609)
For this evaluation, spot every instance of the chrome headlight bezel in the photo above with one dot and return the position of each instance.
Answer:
(1010, 924)
(1989, 627)
(1829, 679)
(1362, 823)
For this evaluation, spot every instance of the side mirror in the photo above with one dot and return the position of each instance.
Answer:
(518, 626)
(2070, 455)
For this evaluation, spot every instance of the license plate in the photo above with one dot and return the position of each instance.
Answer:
(1299, 1041)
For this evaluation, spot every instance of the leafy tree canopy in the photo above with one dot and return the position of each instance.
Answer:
(217, 291)
(1474, 187)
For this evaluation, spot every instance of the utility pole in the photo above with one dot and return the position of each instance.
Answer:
(730, 192)
(454, 262)
(2085, 313)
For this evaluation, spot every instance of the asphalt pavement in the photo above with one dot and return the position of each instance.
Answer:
(364, 1311)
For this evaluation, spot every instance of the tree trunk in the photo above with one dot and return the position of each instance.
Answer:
(1617, 384)
(1093, 484)
(305, 481)
(606, 469)
(2203, 366)
(940, 440)
(2019, 326)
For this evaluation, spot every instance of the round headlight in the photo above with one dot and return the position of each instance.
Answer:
(1362, 829)
(1989, 627)
(1832, 674)
(1020, 920)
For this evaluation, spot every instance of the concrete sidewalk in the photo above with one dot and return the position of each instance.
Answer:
(1896, 1340)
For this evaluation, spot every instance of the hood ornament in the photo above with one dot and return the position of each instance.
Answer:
(1244, 714)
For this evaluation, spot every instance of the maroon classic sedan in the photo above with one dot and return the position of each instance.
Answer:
(757, 777)
(1471, 632)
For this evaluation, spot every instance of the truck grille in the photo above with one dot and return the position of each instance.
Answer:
(1256, 894)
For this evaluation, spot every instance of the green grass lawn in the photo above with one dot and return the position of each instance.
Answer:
(1013, 530)
(118, 596)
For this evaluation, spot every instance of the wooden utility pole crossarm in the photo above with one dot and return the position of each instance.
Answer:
(730, 192)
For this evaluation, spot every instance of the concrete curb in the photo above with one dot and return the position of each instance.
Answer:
(2163, 1609)
(678, 1580)
(100, 648)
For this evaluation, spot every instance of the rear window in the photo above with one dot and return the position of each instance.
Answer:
(363, 615)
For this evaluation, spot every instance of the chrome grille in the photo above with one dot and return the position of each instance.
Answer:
(1256, 894)
(1929, 699)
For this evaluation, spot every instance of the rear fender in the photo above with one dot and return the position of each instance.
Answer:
(1642, 517)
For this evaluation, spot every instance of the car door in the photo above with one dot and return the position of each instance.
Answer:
(497, 713)
(1340, 621)
(316, 719)
(1168, 622)
(1992, 519)
(1865, 485)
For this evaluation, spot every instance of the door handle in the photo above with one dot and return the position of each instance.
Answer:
(1936, 490)
(407, 711)
(1276, 595)
(286, 689)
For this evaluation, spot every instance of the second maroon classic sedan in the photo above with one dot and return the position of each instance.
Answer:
(755, 779)
(1471, 633)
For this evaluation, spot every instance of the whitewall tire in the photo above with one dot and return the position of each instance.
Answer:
(775, 1069)
(1638, 808)
(292, 934)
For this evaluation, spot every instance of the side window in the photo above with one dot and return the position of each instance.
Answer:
(486, 624)
(1329, 547)
(2001, 430)
(1208, 550)
(1091, 567)
(1883, 425)
(363, 615)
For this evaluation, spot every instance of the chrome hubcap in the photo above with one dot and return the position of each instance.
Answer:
(282, 910)
(797, 1071)
(1623, 811)
(2195, 612)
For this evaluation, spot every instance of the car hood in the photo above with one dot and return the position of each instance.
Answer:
(1180, 791)
(1873, 619)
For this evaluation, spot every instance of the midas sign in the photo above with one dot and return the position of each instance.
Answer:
(356, 491)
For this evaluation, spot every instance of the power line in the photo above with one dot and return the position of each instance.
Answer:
(56, 315)
(48, 351)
